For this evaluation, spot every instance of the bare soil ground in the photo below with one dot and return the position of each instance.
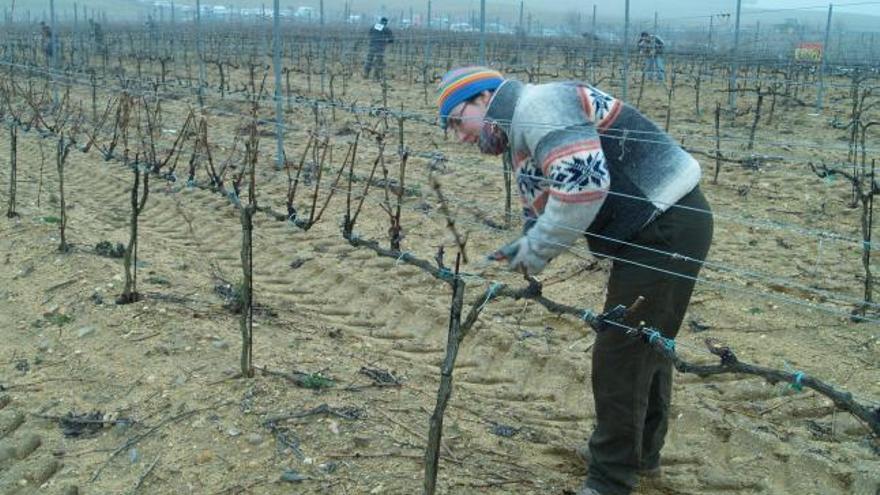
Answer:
(164, 368)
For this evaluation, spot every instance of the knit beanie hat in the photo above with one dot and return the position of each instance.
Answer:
(462, 84)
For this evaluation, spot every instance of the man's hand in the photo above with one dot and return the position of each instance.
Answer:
(521, 257)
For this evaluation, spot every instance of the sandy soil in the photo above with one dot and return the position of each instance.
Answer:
(522, 399)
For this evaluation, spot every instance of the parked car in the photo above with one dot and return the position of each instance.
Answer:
(496, 27)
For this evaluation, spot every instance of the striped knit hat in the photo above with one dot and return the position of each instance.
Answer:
(462, 84)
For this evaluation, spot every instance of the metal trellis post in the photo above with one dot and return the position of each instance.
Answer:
(734, 65)
(482, 32)
(279, 110)
(53, 44)
(625, 81)
(820, 93)
(593, 48)
(199, 53)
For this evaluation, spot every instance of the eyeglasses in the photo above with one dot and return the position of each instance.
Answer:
(454, 121)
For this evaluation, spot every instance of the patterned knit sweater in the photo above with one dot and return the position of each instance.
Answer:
(586, 162)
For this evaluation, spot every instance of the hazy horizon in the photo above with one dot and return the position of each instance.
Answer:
(852, 15)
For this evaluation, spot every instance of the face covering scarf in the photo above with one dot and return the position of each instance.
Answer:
(493, 140)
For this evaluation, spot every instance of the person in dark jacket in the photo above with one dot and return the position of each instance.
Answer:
(380, 35)
(589, 165)
(48, 41)
(98, 37)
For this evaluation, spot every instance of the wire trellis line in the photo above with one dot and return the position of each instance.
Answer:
(748, 273)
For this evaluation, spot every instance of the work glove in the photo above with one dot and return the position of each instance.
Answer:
(521, 257)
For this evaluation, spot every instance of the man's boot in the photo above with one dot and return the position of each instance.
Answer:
(582, 452)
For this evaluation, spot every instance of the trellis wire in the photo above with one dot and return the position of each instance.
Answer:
(799, 229)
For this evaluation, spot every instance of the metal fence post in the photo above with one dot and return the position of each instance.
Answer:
(734, 64)
(10, 22)
(820, 93)
(593, 48)
(53, 44)
(482, 32)
(323, 47)
(279, 110)
(625, 81)
(428, 41)
(75, 28)
(202, 75)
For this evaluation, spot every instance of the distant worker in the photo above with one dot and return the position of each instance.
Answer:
(97, 31)
(48, 41)
(98, 36)
(380, 35)
(152, 30)
(651, 46)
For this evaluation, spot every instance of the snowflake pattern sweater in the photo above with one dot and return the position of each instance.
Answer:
(587, 163)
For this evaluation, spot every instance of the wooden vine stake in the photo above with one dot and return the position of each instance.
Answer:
(670, 93)
(867, 200)
(129, 260)
(13, 170)
(453, 340)
(756, 120)
(641, 88)
(247, 258)
(698, 81)
(508, 187)
(63, 149)
(717, 142)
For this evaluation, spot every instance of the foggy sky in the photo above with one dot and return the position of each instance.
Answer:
(680, 8)
(610, 8)
(669, 12)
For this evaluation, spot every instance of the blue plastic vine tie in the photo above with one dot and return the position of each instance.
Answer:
(491, 293)
(401, 258)
(796, 383)
(493, 289)
(588, 316)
